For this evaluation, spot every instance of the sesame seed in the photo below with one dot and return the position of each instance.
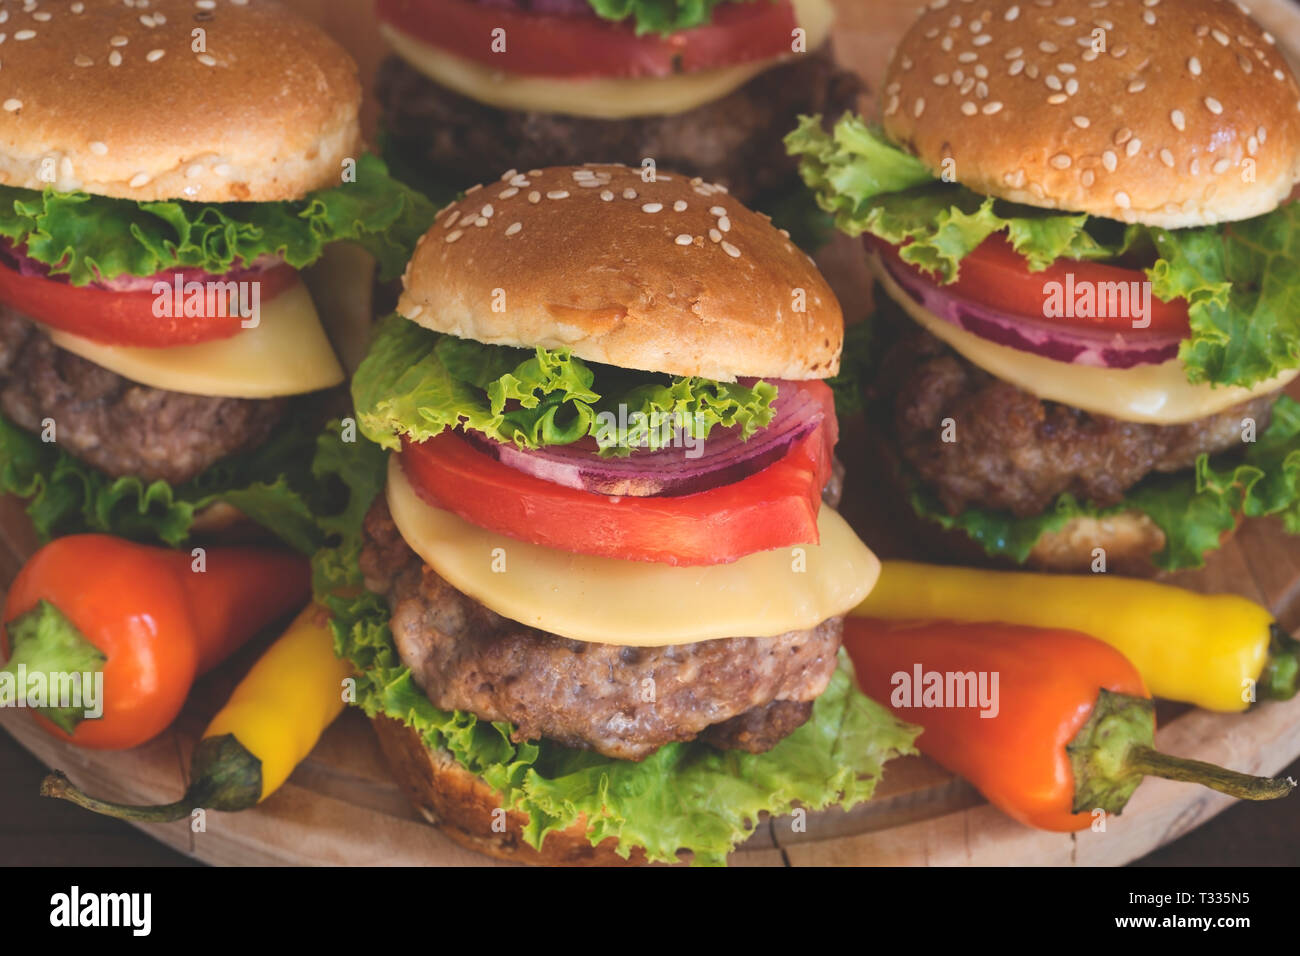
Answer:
(1167, 158)
(24, 34)
(731, 250)
(1222, 166)
(946, 44)
(892, 108)
(1056, 99)
(115, 58)
(982, 40)
(1053, 81)
(13, 105)
(1061, 161)
(472, 189)
(1065, 21)
(153, 56)
(715, 235)
(534, 197)
(969, 109)
(207, 59)
(606, 195)
(451, 220)
(534, 172)
(976, 26)
(1109, 160)
(206, 4)
(508, 193)
(558, 194)
(1088, 178)
(958, 76)
(1262, 133)
(82, 60)
(1277, 75)
(1213, 105)
(679, 206)
(1011, 14)
(1071, 86)
(1195, 66)
(684, 240)
(453, 236)
(629, 193)
(98, 148)
(717, 211)
(1179, 121)
(1137, 86)
(1032, 71)
(1134, 145)
(1047, 46)
(146, 19)
(1244, 63)
(1122, 136)
(1220, 37)
(893, 88)
(919, 107)
(118, 40)
(78, 7)
(991, 108)
(487, 212)
(724, 224)
(652, 207)
(514, 228)
(1122, 200)
(138, 180)
(1015, 68)
(940, 79)
(1013, 53)
(1081, 121)
(1149, 18)
(1065, 67)
(1252, 145)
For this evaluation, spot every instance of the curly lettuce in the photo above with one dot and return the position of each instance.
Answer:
(271, 486)
(684, 797)
(660, 16)
(415, 383)
(90, 238)
(1193, 510)
(1241, 281)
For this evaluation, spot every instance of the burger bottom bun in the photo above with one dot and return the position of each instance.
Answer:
(464, 807)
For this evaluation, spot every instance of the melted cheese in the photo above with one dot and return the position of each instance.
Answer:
(287, 353)
(1156, 394)
(603, 98)
(608, 601)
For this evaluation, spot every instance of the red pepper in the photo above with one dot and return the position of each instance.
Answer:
(142, 617)
(1070, 726)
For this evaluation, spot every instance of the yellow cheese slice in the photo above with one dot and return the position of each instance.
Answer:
(608, 601)
(287, 353)
(1155, 394)
(604, 98)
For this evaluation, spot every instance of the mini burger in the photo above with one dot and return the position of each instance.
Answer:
(165, 172)
(606, 575)
(1079, 214)
(708, 88)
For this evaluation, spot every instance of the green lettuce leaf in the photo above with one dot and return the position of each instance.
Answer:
(66, 496)
(659, 16)
(1193, 510)
(1241, 280)
(89, 237)
(684, 797)
(416, 383)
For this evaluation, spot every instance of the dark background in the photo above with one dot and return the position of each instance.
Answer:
(35, 831)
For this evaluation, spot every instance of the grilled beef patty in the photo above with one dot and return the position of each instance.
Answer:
(735, 141)
(744, 693)
(1016, 452)
(119, 426)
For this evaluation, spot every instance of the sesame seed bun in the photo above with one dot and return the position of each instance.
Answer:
(669, 276)
(1188, 117)
(113, 99)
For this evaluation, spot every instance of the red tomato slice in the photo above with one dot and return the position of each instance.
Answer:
(997, 276)
(124, 318)
(774, 508)
(539, 44)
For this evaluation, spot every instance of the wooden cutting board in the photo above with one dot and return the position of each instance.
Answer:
(341, 807)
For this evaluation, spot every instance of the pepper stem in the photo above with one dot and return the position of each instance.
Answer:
(54, 666)
(223, 776)
(1113, 752)
(1243, 786)
(1278, 680)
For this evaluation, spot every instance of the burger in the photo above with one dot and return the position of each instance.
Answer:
(166, 171)
(1080, 217)
(604, 578)
(706, 88)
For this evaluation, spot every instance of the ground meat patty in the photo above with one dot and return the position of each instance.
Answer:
(735, 141)
(118, 426)
(1017, 453)
(737, 693)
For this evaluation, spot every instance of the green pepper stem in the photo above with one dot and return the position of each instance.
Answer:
(43, 641)
(224, 776)
(1278, 679)
(1243, 786)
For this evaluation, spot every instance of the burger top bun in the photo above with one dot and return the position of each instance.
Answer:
(1172, 113)
(671, 275)
(214, 101)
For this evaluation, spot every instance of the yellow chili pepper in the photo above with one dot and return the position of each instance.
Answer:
(1218, 651)
(271, 722)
